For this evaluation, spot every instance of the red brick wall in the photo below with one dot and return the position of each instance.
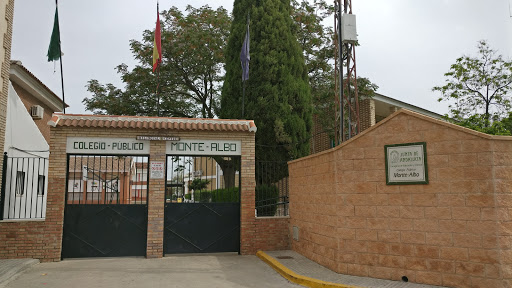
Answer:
(454, 231)
(320, 140)
(366, 113)
(271, 234)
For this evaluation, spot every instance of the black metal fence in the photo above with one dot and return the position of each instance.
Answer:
(24, 188)
(107, 179)
(271, 189)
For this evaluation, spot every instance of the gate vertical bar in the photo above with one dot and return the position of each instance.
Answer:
(39, 185)
(36, 192)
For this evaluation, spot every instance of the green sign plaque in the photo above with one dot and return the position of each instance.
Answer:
(406, 163)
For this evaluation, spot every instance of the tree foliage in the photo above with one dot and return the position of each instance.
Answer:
(198, 184)
(190, 75)
(277, 93)
(317, 42)
(478, 90)
(478, 122)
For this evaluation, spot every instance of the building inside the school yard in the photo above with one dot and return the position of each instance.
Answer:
(371, 111)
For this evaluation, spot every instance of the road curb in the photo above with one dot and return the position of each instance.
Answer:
(296, 278)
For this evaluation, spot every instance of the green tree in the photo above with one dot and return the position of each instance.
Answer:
(277, 93)
(198, 184)
(507, 123)
(190, 75)
(478, 122)
(478, 90)
(317, 42)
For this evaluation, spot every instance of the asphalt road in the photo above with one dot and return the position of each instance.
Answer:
(222, 270)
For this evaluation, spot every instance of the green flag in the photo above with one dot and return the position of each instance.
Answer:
(54, 49)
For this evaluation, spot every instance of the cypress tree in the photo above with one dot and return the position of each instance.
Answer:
(277, 94)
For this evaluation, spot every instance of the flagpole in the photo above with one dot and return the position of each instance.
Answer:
(62, 80)
(61, 72)
(157, 94)
(157, 74)
(243, 98)
(158, 61)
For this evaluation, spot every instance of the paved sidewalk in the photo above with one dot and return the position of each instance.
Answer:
(212, 270)
(11, 268)
(305, 267)
(220, 270)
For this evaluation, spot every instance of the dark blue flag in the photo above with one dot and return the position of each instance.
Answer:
(245, 57)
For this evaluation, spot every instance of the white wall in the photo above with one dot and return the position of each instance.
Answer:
(28, 155)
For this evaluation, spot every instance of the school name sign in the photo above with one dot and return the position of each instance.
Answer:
(205, 147)
(130, 146)
(406, 163)
(127, 146)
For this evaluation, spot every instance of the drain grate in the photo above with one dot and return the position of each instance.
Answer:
(284, 257)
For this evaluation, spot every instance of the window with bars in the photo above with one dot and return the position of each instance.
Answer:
(41, 179)
(20, 183)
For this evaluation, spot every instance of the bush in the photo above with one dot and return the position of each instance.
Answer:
(202, 196)
(226, 195)
(267, 197)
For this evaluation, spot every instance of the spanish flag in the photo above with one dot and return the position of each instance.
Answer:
(157, 48)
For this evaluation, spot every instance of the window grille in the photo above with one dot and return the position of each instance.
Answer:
(20, 183)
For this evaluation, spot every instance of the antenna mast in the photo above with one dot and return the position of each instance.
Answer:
(346, 95)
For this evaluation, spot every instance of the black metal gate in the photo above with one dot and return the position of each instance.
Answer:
(202, 205)
(106, 206)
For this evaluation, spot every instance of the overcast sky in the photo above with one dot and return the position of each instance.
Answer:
(406, 45)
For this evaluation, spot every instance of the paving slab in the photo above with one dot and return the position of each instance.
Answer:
(11, 268)
(310, 269)
(187, 271)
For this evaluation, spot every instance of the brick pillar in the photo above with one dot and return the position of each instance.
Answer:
(247, 203)
(155, 240)
(55, 201)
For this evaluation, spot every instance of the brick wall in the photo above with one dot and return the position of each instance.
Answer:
(320, 140)
(6, 19)
(366, 113)
(454, 231)
(42, 239)
(271, 234)
(29, 100)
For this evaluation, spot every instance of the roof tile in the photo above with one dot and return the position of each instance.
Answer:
(142, 122)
